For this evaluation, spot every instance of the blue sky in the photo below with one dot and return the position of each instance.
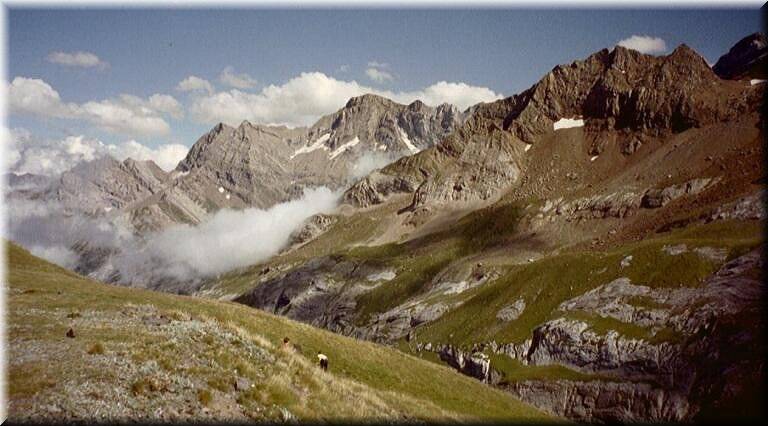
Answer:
(149, 52)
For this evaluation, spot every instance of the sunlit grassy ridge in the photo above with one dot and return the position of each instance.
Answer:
(150, 351)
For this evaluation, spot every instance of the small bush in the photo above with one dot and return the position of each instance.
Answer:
(146, 385)
(96, 349)
(204, 396)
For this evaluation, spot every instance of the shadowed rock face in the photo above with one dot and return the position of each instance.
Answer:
(747, 58)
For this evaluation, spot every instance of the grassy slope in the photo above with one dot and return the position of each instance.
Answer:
(550, 281)
(227, 341)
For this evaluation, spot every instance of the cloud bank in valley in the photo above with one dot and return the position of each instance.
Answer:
(228, 240)
(234, 238)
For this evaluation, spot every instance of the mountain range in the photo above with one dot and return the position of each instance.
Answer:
(590, 245)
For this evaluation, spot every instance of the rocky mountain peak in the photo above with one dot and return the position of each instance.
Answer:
(368, 99)
(747, 58)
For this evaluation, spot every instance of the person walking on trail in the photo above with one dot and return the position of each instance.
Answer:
(323, 361)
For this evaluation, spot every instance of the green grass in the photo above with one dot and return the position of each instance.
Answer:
(406, 384)
(513, 370)
(546, 283)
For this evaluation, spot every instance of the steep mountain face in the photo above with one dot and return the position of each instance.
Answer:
(259, 166)
(105, 184)
(747, 59)
(590, 245)
(371, 124)
(621, 98)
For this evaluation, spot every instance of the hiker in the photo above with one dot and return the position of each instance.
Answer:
(323, 361)
(286, 344)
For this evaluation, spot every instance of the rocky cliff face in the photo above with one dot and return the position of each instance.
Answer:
(620, 97)
(746, 59)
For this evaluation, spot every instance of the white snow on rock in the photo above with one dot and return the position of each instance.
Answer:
(406, 141)
(340, 150)
(384, 275)
(452, 287)
(107, 209)
(527, 147)
(593, 158)
(756, 81)
(221, 189)
(176, 175)
(227, 196)
(567, 123)
(317, 144)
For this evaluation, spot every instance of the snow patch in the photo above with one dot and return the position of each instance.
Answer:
(527, 147)
(221, 190)
(406, 141)
(453, 287)
(567, 123)
(107, 209)
(756, 81)
(593, 158)
(177, 175)
(317, 144)
(340, 150)
(384, 275)
(227, 197)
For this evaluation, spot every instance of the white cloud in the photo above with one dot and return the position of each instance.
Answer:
(231, 238)
(52, 157)
(77, 59)
(461, 95)
(117, 117)
(376, 71)
(238, 81)
(166, 156)
(193, 84)
(344, 68)
(307, 97)
(644, 44)
(34, 96)
(126, 114)
(379, 76)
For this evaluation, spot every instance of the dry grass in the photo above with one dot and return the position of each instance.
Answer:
(172, 369)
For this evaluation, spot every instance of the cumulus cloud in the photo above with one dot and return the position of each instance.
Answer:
(644, 44)
(166, 156)
(305, 98)
(194, 84)
(35, 96)
(126, 114)
(238, 81)
(77, 59)
(379, 76)
(52, 157)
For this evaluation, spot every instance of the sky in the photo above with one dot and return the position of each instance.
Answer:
(147, 83)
